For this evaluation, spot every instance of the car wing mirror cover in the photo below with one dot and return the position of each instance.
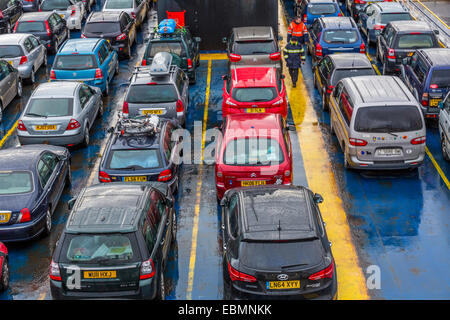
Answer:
(71, 203)
(318, 198)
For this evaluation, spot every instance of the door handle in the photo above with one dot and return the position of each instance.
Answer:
(162, 242)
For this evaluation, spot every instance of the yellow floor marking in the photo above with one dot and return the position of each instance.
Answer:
(8, 134)
(213, 56)
(42, 296)
(438, 168)
(198, 192)
(351, 281)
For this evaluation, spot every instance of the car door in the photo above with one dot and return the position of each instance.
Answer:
(61, 28)
(444, 120)
(55, 28)
(88, 103)
(9, 92)
(34, 53)
(13, 11)
(314, 38)
(130, 28)
(182, 84)
(57, 178)
(47, 180)
(157, 227)
(334, 106)
(385, 40)
(322, 72)
(40, 50)
(3, 88)
(231, 224)
(166, 223)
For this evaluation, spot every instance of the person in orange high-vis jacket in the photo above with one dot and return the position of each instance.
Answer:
(297, 29)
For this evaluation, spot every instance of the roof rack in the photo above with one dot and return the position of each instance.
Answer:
(142, 126)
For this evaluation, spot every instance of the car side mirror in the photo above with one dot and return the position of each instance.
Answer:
(62, 157)
(225, 77)
(436, 32)
(198, 39)
(290, 127)
(169, 202)
(223, 202)
(71, 203)
(317, 198)
(110, 130)
(224, 40)
(441, 105)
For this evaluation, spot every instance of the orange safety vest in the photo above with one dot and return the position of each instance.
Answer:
(297, 30)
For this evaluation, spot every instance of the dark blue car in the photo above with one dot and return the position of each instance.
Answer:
(427, 74)
(32, 179)
(330, 35)
(310, 10)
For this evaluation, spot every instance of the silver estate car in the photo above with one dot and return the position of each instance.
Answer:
(24, 52)
(60, 113)
(73, 11)
(137, 9)
(378, 123)
(10, 85)
(444, 127)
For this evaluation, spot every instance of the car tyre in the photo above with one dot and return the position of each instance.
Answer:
(445, 152)
(174, 226)
(4, 277)
(324, 102)
(32, 77)
(8, 27)
(194, 79)
(106, 92)
(69, 177)
(86, 136)
(161, 294)
(56, 47)
(48, 222)
(101, 110)
(346, 164)
(19, 88)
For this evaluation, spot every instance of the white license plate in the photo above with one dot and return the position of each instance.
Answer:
(389, 152)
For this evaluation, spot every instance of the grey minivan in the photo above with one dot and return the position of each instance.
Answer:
(378, 123)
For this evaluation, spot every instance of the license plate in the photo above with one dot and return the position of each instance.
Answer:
(135, 179)
(389, 152)
(434, 102)
(255, 110)
(100, 274)
(4, 217)
(280, 285)
(252, 183)
(46, 127)
(152, 111)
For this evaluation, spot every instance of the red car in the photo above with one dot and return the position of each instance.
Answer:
(255, 150)
(4, 268)
(254, 90)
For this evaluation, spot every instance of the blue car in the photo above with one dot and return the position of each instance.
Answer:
(32, 179)
(427, 74)
(310, 10)
(92, 61)
(330, 35)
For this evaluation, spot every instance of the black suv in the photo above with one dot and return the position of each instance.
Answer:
(116, 27)
(10, 11)
(115, 243)
(180, 43)
(400, 39)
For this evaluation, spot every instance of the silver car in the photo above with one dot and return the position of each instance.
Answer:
(378, 123)
(444, 127)
(10, 85)
(137, 9)
(73, 11)
(24, 52)
(60, 113)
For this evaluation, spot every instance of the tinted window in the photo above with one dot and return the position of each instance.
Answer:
(254, 94)
(119, 4)
(44, 173)
(415, 41)
(388, 119)
(322, 8)
(441, 78)
(50, 107)
(10, 51)
(346, 73)
(233, 216)
(254, 47)
(340, 36)
(102, 27)
(175, 47)
(50, 5)
(134, 159)
(30, 26)
(152, 93)
(75, 62)
(109, 201)
(385, 18)
(253, 151)
(50, 159)
(15, 182)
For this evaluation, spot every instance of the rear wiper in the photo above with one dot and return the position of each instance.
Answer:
(35, 115)
(133, 167)
(392, 134)
(259, 52)
(101, 260)
(293, 265)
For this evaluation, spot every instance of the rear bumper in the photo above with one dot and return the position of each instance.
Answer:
(430, 112)
(236, 110)
(355, 163)
(22, 231)
(54, 140)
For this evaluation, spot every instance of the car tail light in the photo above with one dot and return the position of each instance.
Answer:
(357, 142)
(362, 48)
(125, 108)
(73, 124)
(360, 1)
(305, 18)
(424, 101)
(144, 62)
(98, 73)
(23, 60)
(133, 15)
(433, 86)
(47, 28)
(235, 57)
(323, 274)
(239, 276)
(228, 102)
(180, 107)
(165, 175)
(318, 50)
(339, 14)
(391, 54)
(24, 215)
(103, 177)
(73, 10)
(287, 177)
(121, 37)
(1, 14)
(219, 176)
(83, 36)
(52, 75)
(147, 269)
(21, 126)
(378, 27)
(15, 27)
(419, 140)
(189, 64)
(276, 56)
(55, 273)
(330, 89)
(279, 101)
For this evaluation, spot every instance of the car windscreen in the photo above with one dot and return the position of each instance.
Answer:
(100, 248)
(50, 5)
(340, 36)
(162, 93)
(50, 107)
(10, 51)
(388, 119)
(441, 78)
(261, 94)
(322, 8)
(119, 4)
(134, 159)
(175, 47)
(347, 73)
(15, 182)
(102, 27)
(30, 26)
(400, 16)
(415, 41)
(254, 47)
(253, 151)
(75, 62)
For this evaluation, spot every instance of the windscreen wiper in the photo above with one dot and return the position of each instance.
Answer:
(35, 115)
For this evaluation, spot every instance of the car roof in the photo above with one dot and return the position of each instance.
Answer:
(38, 15)
(437, 56)
(107, 16)
(350, 60)
(253, 33)
(24, 157)
(266, 122)
(134, 142)
(144, 77)
(56, 89)
(388, 7)
(86, 45)
(13, 38)
(338, 22)
(411, 25)
(321, 1)
(254, 77)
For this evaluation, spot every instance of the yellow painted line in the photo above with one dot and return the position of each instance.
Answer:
(198, 194)
(432, 13)
(42, 296)
(351, 281)
(213, 56)
(438, 168)
(8, 134)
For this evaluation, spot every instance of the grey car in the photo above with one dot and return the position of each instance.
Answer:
(378, 123)
(137, 9)
(10, 85)
(160, 89)
(24, 52)
(444, 127)
(60, 113)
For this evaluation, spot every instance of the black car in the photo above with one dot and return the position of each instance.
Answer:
(141, 149)
(400, 39)
(10, 11)
(334, 67)
(118, 237)
(32, 179)
(49, 27)
(30, 5)
(275, 245)
(116, 27)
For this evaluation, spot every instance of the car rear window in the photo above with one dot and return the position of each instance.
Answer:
(254, 94)
(388, 119)
(441, 77)
(134, 159)
(10, 51)
(162, 93)
(50, 107)
(346, 73)
(253, 151)
(50, 5)
(415, 41)
(102, 27)
(119, 4)
(322, 8)
(400, 16)
(340, 36)
(254, 47)
(175, 47)
(15, 182)
(30, 26)
(75, 62)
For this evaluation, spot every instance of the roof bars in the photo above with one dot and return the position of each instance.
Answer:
(142, 126)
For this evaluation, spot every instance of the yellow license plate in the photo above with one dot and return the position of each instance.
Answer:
(46, 127)
(152, 111)
(100, 274)
(434, 102)
(252, 183)
(4, 217)
(255, 110)
(282, 285)
(135, 179)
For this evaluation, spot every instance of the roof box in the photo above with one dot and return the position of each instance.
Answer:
(167, 26)
(161, 64)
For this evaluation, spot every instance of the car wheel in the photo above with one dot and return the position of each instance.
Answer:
(117, 69)
(4, 279)
(32, 77)
(69, 177)
(101, 110)
(324, 102)
(346, 164)
(174, 226)
(48, 223)
(19, 88)
(445, 153)
(314, 80)
(194, 79)
(1, 111)
(86, 136)
(161, 294)
(129, 51)
(56, 47)
(8, 27)
(106, 92)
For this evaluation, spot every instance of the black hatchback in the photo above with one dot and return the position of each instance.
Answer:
(275, 245)
(10, 11)
(115, 243)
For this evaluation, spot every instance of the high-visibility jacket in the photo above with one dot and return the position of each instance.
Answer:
(297, 30)
(293, 54)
